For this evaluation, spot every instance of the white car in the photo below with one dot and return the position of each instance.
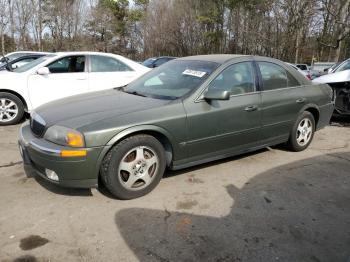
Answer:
(60, 75)
(303, 72)
(339, 80)
(14, 55)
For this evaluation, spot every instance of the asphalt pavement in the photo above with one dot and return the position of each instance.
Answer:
(270, 205)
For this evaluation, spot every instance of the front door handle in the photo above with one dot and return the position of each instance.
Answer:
(301, 100)
(251, 108)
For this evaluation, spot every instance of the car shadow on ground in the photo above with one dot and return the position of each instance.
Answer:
(296, 212)
(343, 121)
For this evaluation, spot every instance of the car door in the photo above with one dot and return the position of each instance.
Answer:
(67, 77)
(108, 72)
(282, 99)
(223, 126)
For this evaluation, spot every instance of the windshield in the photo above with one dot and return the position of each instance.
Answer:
(30, 65)
(343, 66)
(149, 61)
(172, 80)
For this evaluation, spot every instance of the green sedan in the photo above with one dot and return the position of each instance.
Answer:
(187, 112)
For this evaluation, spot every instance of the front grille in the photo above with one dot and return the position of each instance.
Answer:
(37, 125)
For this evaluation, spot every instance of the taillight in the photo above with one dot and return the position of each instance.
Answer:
(308, 76)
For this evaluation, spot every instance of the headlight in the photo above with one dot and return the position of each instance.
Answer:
(64, 136)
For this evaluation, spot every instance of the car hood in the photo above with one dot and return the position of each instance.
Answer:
(81, 110)
(337, 77)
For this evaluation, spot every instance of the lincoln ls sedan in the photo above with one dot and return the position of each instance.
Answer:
(189, 111)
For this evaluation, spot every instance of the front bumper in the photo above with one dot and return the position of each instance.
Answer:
(78, 172)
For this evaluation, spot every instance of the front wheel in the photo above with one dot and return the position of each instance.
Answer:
(302, 132)
(11, 109)
(133, 167)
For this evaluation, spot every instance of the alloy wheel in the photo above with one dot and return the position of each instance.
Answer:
(304, 132)
(8, 110)
(138, 168)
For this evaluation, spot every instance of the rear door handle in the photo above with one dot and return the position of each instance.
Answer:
(251, 108)
(301, 100)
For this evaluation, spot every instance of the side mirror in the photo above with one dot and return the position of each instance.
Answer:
(213, 94)
(43, 71)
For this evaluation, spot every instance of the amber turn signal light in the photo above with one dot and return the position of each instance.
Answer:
(73, 153)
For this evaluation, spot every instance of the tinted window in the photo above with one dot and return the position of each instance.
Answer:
(161, 61)
(149, 62)
(107, 64)
(275, 76)
(69, 64)
(237, 79)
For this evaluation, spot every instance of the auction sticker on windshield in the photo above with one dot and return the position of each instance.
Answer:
(195, 73)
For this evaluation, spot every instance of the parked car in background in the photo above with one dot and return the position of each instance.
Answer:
(339, 80)
(157, 61)
(21, 61)
(303, 67)
(61, 75)
(342, 66)
(189, 111)
(332, 68)
(14, 55)
(305, 73)
(318, 68)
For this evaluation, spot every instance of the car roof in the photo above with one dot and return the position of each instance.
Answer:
(165, 57)
(28, 52)
(85, 53)
(217, 58)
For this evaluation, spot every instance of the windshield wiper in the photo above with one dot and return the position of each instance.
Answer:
(120, 88)
(134, 93)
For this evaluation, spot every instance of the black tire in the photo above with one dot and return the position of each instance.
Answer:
(110, 166)
(19, 106)
(293, 144)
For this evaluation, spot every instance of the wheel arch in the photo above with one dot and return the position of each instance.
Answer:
(18, 95)
(162, 135)
(313, 109)
(315, 112)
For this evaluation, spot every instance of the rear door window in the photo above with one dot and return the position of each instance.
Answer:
(275, 77)
(107, 64)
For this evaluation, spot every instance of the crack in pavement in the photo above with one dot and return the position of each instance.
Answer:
(11, 164)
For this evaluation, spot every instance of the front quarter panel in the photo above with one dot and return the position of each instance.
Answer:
(16, 82)
(168, 120)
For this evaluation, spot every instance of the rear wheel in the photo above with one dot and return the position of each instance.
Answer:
(134, 167)
(302, 133)
(11, 109)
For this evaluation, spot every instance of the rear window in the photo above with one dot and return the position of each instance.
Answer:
(302, 67)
